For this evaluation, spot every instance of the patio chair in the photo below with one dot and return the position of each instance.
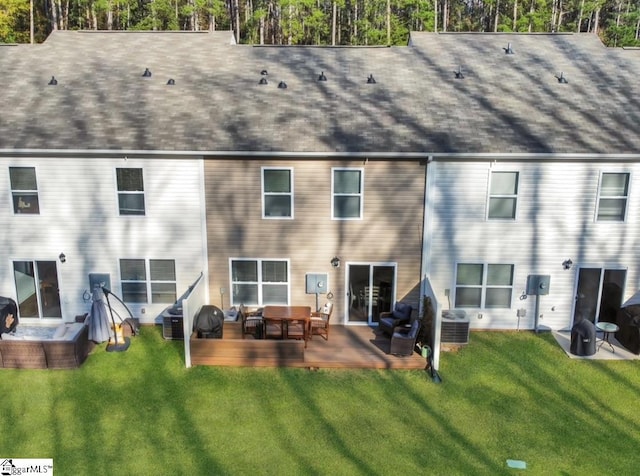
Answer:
(252, 323)
(319, 323)
(297, 329)
(403, 342)
(400, 315)
(273, 328)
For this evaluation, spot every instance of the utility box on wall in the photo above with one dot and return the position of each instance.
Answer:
(316, 283)
(538, 284)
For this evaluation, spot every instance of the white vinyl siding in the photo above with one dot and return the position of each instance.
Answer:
(347, 194)
(612, 197)
(79, 216)
(24, 190)
(556, 221)
(277, 192)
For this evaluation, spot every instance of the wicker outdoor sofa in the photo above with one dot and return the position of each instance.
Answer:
(66, 350)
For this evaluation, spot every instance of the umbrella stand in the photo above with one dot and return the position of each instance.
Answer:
(116, 347)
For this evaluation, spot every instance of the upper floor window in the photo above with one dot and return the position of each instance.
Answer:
(483, 286)
(130, 191)
(277, 193)
(346, 194)
(145, 281)
(503, 195)
(613, 195)
(24, 190)
(256, 282)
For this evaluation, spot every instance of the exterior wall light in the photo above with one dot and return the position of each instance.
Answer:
(566, 264)
(62, 258)
(335, 262)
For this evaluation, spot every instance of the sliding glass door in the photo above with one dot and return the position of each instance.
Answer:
(370, 291)
(37, 289)
(599, 294)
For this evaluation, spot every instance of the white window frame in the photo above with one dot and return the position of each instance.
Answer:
(484, 286)
(148, 281)
(260, 283)
(20, 192)
(600, 197)
(491, 196)
(290, 194)
(360, 193)
(130, 192)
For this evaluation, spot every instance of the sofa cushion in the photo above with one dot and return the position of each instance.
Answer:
(8, 336)
(73, 330)
(60, 331)
(402, 311)
(389, 321)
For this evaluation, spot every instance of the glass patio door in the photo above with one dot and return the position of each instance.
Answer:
(37, 289)
(370, 291)
(599, 294)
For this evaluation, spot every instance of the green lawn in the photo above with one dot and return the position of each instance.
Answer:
(504, 396)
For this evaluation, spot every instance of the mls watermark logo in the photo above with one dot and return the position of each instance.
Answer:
(19, 466)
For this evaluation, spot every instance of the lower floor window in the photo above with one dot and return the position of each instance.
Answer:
(148, 281)
(483, 285)
(257, 282)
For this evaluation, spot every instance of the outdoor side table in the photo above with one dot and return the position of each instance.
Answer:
(607, 329)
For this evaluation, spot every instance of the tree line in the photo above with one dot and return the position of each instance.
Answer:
(323, 22)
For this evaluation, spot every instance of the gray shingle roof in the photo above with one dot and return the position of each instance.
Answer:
(505, 103)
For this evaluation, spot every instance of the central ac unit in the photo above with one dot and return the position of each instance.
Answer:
(454, 328)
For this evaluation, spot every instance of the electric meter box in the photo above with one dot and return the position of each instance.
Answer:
(538, 284)
(316, 283)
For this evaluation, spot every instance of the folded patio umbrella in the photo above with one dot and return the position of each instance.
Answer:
(98, 320)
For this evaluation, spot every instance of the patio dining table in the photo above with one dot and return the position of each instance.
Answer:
(289, 314)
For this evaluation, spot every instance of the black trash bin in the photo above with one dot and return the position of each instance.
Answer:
(208, 323)
(583, 338)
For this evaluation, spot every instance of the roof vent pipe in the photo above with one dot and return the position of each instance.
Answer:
(370, 79)
(147, 73)
(562, 79)
(282, 85)
(53, 81)
(322, 77)
(459, 74)
(508, 50)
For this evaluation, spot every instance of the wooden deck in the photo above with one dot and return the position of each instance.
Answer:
(358, 347)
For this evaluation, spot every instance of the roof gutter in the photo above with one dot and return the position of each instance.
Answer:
(209, 153)
(430, 156)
